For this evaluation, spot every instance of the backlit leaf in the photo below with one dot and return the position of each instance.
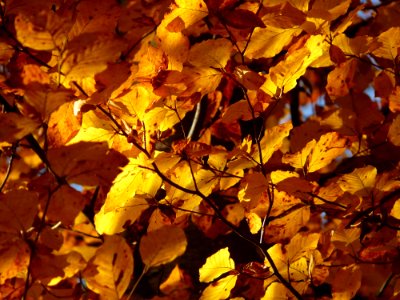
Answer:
(328, 147)
(112, 220)
(272, 141)
(283, 77)
(217, 264)
(162, 246)
(220, 289)
(389, 42)
(359, 182)
(110, 271)
(200, 56)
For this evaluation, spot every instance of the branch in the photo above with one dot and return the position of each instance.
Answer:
(9, 167)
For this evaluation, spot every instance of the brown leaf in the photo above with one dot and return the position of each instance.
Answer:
(241, 19)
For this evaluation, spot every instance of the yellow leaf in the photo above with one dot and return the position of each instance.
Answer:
(176, 282)
(342, 239)
(328, 147)
(134, 180)
(88, 54)
(162, 246)
(217, 264)
(14, 127)
(395, 212)
(201, 56)
(109, 272)
(272, 141)
(346, 282)
(387, 44)
(276, 291)
(394, 131)
(283, 77)
(31, 36)
(113, 220)
(286, 226)
(299, 159)
(269, 41)
(254, 221)
(302, 244)
(220, 289)
(360, 182)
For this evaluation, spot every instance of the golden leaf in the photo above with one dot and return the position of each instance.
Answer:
(299, 159)
(88, 54)
(286, 226)
(109, 272)
(269, 41)
(276, 291)
(272, 141)
(217, 264)
(387, 43)
(201, 56)
(112, 220)
(328, 147)
(220, 289)
(283, 77)
(134, 180)
(162, 246)
(395, 212)
(360, 182)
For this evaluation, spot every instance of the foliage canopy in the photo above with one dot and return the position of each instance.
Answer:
(199, 148)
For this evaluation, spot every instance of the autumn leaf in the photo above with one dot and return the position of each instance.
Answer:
(217, 264)
(110, 271)
(14, 127)
(328, 147)
(220, 289)
(359, 182)
(346, 282)
(162, 246)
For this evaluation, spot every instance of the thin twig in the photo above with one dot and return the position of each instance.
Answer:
(9, 168)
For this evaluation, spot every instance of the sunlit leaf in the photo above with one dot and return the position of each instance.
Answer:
(114, 219)
(110, 271)
(283, 77)
(200, 56)
(328, 147)
(217, 264)
(220, 289)
(162, 246)
(388, 42)
(272, 141)
(359, 182)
